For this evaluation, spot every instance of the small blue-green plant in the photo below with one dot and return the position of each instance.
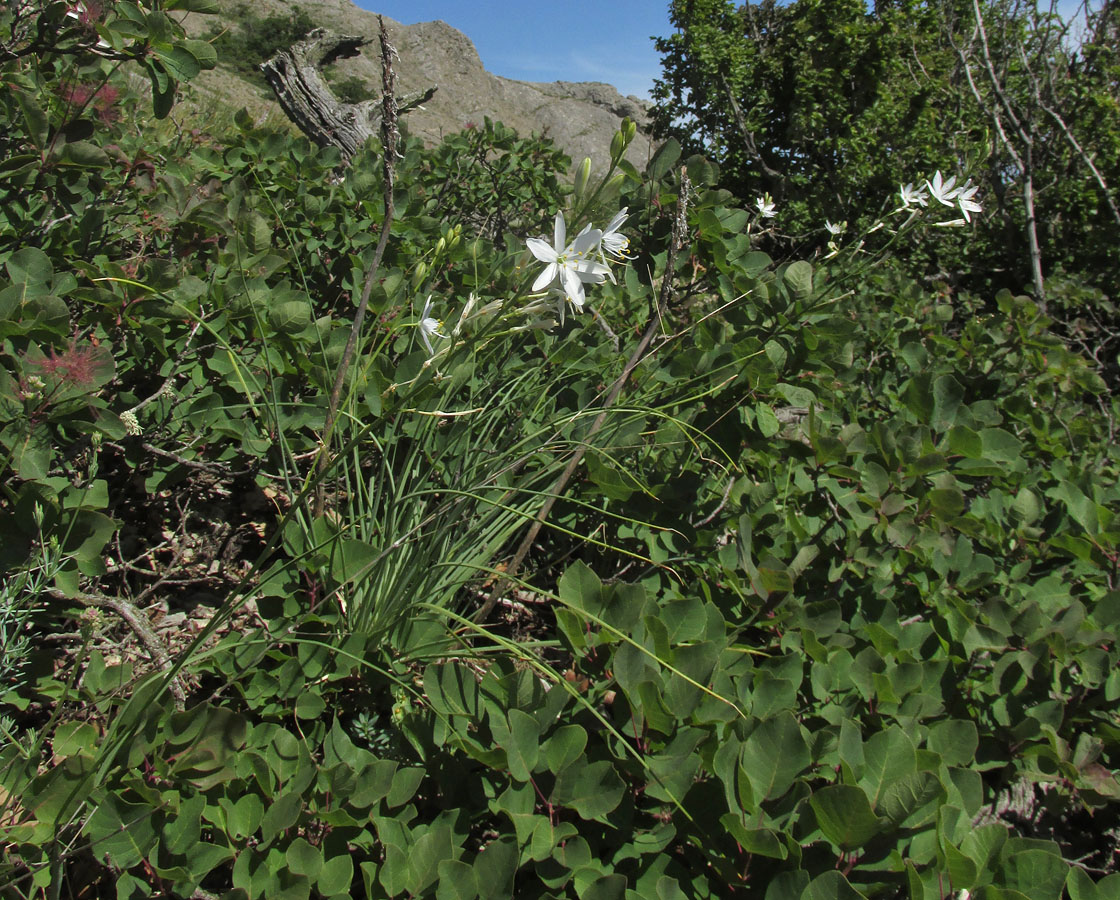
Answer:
(20, 599)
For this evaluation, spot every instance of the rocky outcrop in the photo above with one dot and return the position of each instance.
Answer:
(580, 117)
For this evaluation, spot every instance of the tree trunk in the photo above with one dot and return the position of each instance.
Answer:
(297, 79)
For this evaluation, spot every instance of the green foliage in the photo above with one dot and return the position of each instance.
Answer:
(493, 181)
(352, 90)
(790, 97)
(255, 39)
(833, 587)
(21, 596)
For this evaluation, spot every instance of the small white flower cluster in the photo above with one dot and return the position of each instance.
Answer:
(131, 423)
(33, 388)
(945, 192)
(569, 266)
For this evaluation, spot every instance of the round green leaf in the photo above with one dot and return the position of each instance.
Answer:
(456, 881)
(291, 316)
(831, 886)
(799, 277)
(845, 816)
(310, 705)
(955, 740)
(564, 747)
(303, 858)
(767, 421)
(592, 790)
(336, 875)
(774, 754)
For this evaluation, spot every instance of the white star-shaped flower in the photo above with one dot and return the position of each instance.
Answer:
(613, 243)
(569, 265)
(944, 192)
(912, 196)
(429, 326)
(965, 201)
(766, 207)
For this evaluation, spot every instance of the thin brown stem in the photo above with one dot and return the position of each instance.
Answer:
(1000, 109)
(141, 627)
(389, 137)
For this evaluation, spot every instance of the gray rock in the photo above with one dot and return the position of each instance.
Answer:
(580, 117)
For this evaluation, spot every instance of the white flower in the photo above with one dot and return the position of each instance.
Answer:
(766, 207)
(965, 201)
(470, 313)
(429, 326)
(468, 308)
(911, 196)
(568, 265)
(613, 243)
(943, 192)
(835, 229)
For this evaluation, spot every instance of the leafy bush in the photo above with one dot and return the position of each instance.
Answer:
(353, 90)
(256, 38)
(494, 182)
(827, 105)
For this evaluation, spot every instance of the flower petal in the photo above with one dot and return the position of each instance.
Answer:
(546, 277)
(586, 242)
(573, 287)
(540, 249)
(616, 222)
(590, 270)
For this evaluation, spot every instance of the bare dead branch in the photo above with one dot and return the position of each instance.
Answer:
(296, 77)
(389, 137)
(140, 626)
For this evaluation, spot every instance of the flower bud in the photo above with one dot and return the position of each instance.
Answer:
(612, 187)
(441, 245)
(618, 146)
(583, 175)
(419, 273)
(629, 128)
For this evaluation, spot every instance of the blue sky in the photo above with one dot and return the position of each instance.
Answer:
(576, 40)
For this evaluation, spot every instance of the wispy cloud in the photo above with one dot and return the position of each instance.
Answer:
(630, 72)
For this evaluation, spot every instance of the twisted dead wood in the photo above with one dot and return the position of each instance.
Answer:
(296, 77)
